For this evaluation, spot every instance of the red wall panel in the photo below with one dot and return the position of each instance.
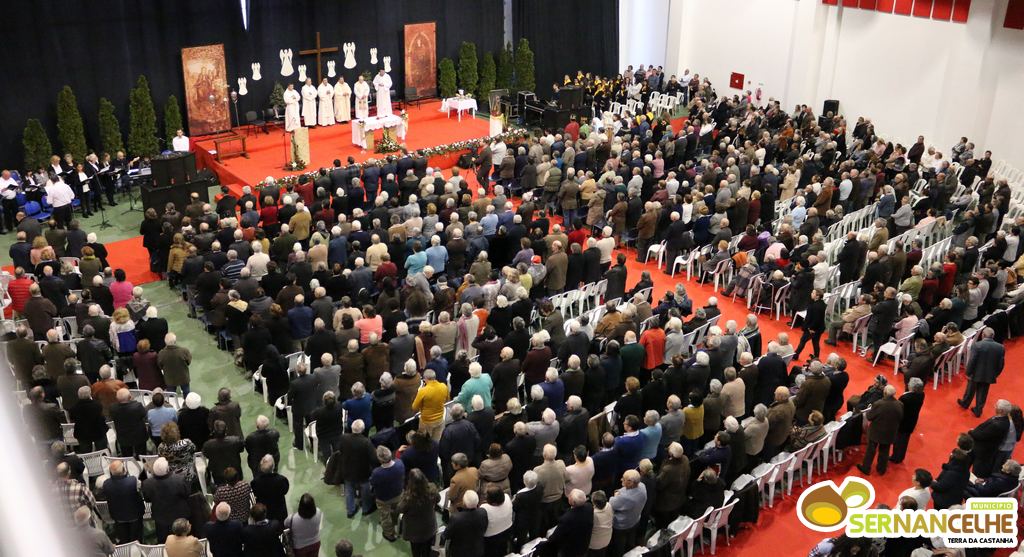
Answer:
(961, 9)
(942, 10)
(868, 4)
(830, 2)
(922, 8)
(850, 3)
(886, 5)
(1014, 15)
(903, 7)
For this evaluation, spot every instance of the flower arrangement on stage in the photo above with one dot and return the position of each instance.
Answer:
(513, 134)
(387, 145)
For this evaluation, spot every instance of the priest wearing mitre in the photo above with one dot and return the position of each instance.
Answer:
(342, 100)
(382, 84)
(362, 92)
(325, 114)
(292, 121)
(309, 103)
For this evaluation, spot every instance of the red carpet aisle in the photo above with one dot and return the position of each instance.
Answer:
(940, 423)
(129, 255)
(428, 127)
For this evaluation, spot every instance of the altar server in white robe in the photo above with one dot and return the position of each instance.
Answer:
(292, 121)
(362, 92)
(342, 101)
(382, 84)
(326, 110)
(309, 103)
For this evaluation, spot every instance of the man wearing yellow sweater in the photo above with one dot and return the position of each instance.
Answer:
(429, 402)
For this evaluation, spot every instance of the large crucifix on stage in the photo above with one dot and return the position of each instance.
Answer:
(318, 51)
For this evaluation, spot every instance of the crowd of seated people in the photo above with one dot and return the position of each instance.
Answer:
(419, 320)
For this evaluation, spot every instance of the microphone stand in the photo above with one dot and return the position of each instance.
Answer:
(104, 224)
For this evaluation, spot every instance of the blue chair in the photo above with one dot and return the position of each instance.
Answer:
(21, 199)
(16, 175)
(32, 209)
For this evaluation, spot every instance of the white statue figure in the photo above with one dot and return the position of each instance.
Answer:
(241, 86)
(330, 69)
(387, 64)
(292, 121)
(382, 85)
(286, 62)
(350, 55)
(309, 103)
(256, 71)
(302, 73)
(342, 101)
(373, 56)
(362, 93)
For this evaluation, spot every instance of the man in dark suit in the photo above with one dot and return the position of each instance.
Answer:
(262, 442)
(526, 506)
(573, 526)
(885, 314)
(129, 418)
(771, 373)
(984, 366)
(302, 396)
(466, 527)
(262, 534)
(572, 430)
(224, 534)
(912, 401)
(885, 417)
(988, 436)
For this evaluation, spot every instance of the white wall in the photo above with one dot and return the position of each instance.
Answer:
(714, 42)
(910, 75)
(643, 32)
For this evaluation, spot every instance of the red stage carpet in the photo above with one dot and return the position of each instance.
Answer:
(428, 127)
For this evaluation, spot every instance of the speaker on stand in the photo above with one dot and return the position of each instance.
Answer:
(831, 105)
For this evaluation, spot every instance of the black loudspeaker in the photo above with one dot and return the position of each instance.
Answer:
(174, 168)
(570, 97)
(831, 105)
(157, 197)
(555, 119)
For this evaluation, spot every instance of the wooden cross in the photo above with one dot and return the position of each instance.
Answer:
(318, 51)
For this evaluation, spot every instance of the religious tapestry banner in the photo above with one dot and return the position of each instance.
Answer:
(206, 89)
(421, 60)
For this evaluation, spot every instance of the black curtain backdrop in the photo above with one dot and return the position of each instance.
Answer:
(567, 36)
(100, 48)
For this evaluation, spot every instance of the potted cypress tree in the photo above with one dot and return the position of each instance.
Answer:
(36, 144)
(142, 121)
(70, 129)
(446, 78)
(468, 77)
(110, 129)
(487, 76)
(172, 118)
(526, 79)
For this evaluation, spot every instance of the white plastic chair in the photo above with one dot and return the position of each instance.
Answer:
(691, 532)
(658, 250)
(719, 518)
(312, 442)
(150, 550)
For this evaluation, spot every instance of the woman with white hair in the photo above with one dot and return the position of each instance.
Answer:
(478, 384)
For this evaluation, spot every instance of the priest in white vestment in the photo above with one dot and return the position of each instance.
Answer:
(362, 92)
(292, 121)
(325, 114)
(382, 84)
(309, 103)
(342, 101)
